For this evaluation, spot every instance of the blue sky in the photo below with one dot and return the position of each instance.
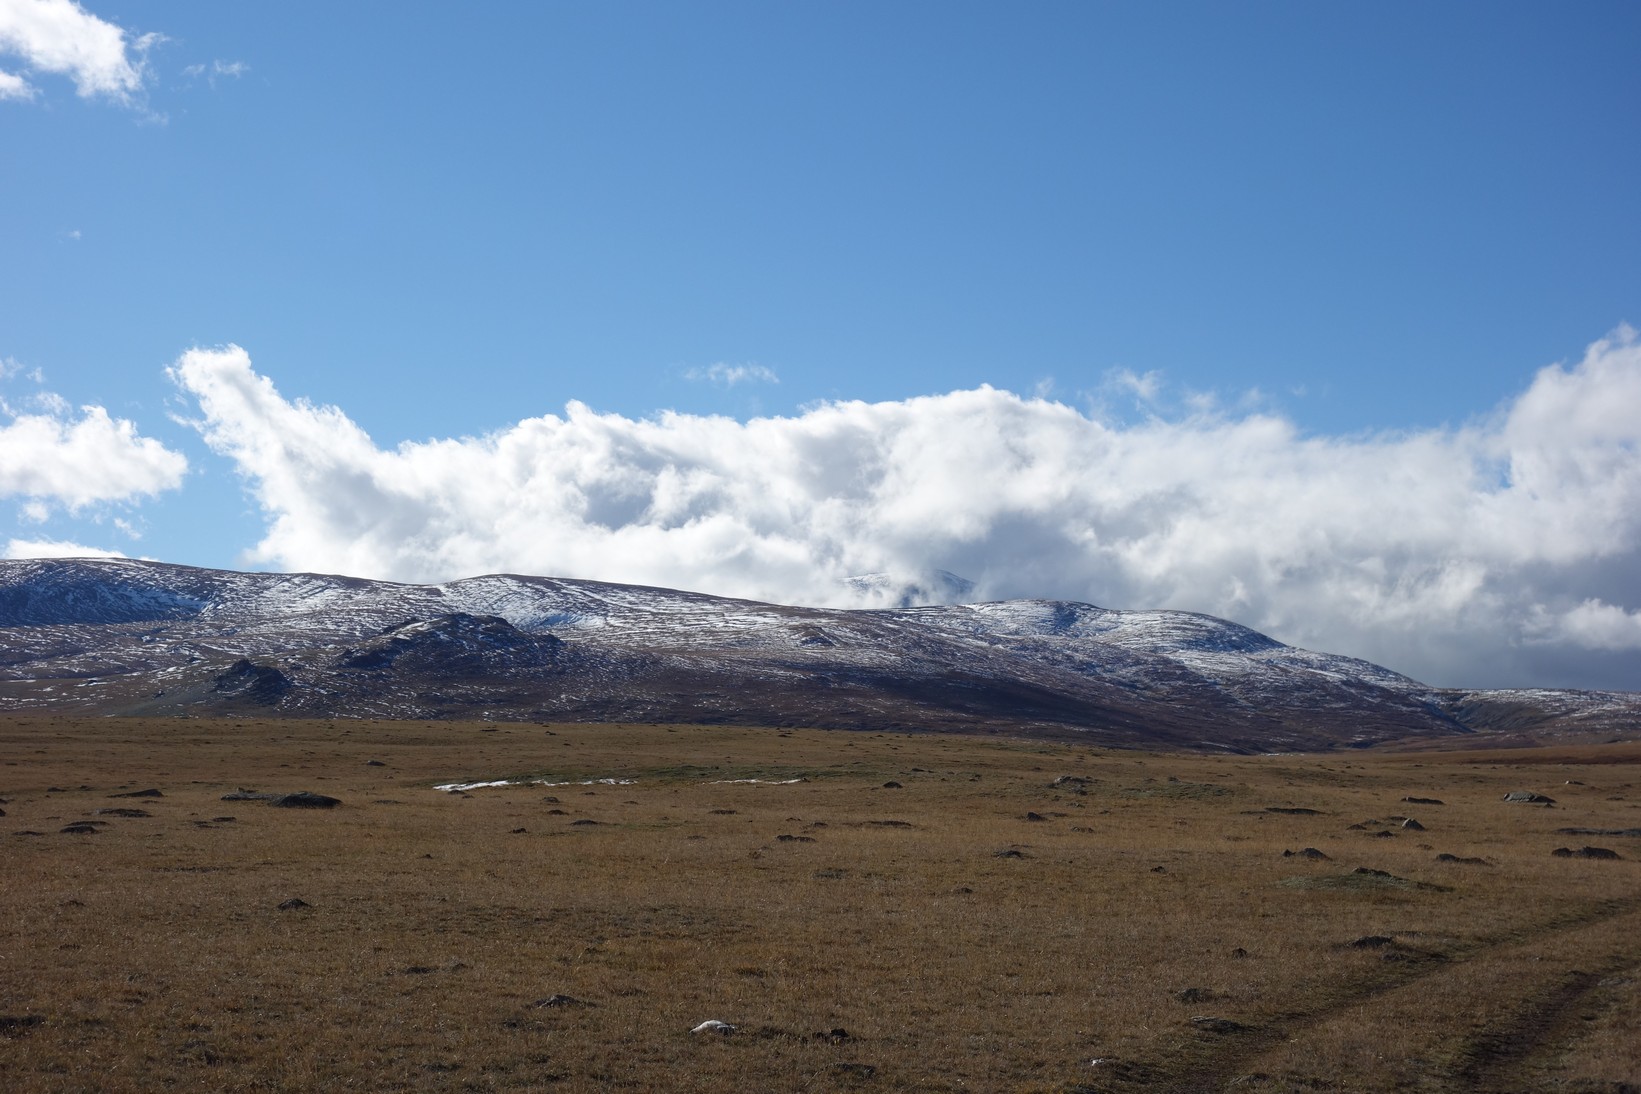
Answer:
(1370, 228)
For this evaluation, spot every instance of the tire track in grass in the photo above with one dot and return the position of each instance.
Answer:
(1498, 1056)
(1227, 1068)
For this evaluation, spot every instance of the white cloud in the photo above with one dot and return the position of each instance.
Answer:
(1595, 625)
(729, 375)
(54, 548)
(13, 86)
(52, 457)
(1440, 553)
(62, 38)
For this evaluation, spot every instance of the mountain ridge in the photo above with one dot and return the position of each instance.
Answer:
(122, 636)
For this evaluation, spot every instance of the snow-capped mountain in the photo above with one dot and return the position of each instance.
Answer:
(117, 636)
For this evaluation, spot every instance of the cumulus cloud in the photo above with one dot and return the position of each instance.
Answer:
(1596, 625)
(727, 375)
(13, 86)
(51, 456)
(62, 38)
(55, 548)
(1505, 551)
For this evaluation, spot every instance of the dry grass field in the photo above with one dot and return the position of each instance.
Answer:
(917, 913)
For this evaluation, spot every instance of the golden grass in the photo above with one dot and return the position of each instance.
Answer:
(153, 955)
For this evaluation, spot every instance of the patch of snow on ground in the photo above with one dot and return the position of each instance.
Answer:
(462, 787)
(766, 782)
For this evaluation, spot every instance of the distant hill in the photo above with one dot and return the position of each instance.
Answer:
(118, 636)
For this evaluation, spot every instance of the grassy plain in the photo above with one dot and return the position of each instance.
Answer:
(974, 927)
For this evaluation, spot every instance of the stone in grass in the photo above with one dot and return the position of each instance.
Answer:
(244, 795)
(1462, 860)
(305, 799)
(1373, 942)
(712, 1025)
(1412, 825)
(124, 813)
(568, 1001)
(1559, 852)
(1217, 1025)
(79, 829)
(149, 793)
(294, 904)
(1424, 801)
(1008, 852)
(1309, 852)
(1528, 797)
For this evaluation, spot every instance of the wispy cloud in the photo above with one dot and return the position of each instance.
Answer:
(59, 37)
(727, 375)
(1507, 550)
(1141, 387)
(211, 73)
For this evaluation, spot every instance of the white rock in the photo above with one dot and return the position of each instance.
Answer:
(712, 1025)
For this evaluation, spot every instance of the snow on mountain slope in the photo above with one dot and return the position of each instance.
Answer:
(116, 636)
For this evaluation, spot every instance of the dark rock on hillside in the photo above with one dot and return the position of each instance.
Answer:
(257, 683)
(451, 645)
(1560, 852)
